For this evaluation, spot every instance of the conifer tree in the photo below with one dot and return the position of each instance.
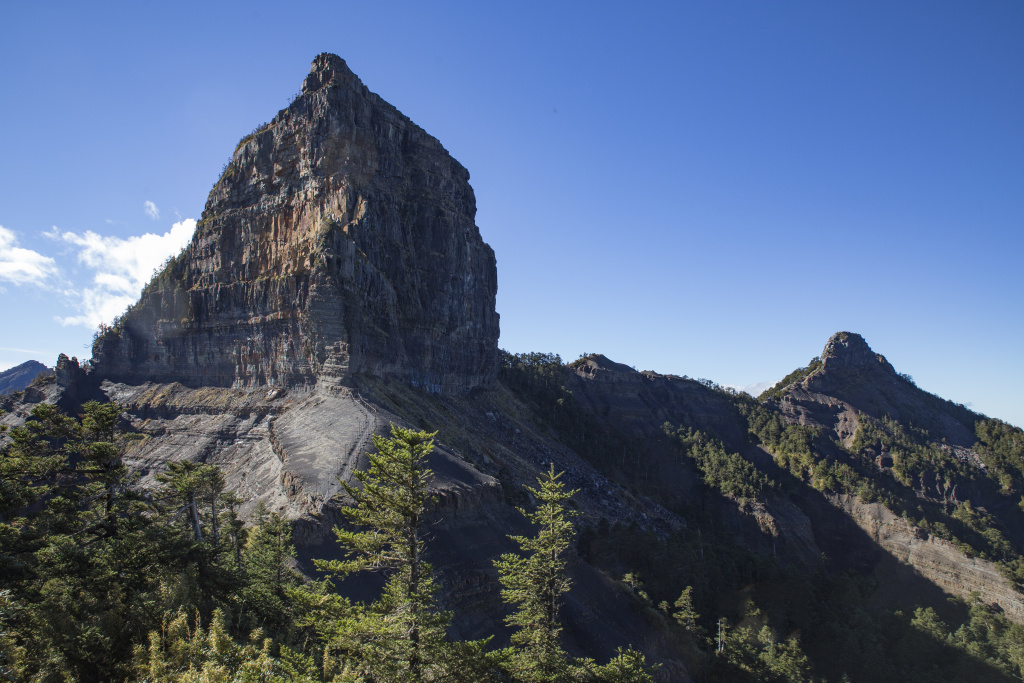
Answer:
(101, 450)
(685, 615)
(400, 637)
(184, 652)
(190, 484)
(234, 528)
(268, 573)
(203, 572)
(627, 666)
(536, 581)
(86, 556)
(29, 462)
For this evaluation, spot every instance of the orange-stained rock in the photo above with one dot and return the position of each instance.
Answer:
(340, 239)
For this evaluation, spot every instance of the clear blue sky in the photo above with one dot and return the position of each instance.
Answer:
(700, 188)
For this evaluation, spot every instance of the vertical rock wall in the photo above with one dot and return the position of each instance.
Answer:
(340, 239)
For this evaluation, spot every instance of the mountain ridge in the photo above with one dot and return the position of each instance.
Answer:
(337, 283)
(20, 376)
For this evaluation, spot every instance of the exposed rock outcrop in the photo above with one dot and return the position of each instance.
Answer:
(339, 240)
(853, 384)
(937, 560)
(337, 284)
(854, 379)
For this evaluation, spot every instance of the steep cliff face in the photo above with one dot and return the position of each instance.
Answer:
(337, 277)
(339, 240)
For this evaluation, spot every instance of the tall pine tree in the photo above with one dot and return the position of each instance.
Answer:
(400, 637)
(535, 582)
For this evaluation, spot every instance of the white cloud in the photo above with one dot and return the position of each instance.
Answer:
(754, 389)
(36, 352)
(23, 266)
(123, 267)
(151, 210)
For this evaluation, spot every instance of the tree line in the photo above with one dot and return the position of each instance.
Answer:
(103, 579)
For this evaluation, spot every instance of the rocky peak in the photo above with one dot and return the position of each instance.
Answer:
(596, 363)
(849, 350)
(339, 240)
(328, 70)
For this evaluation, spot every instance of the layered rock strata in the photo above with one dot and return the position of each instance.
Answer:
(339, 240)
(939, 561)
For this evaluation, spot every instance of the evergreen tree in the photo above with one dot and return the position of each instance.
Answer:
(268, 574)
(536, 581)
(87, 576)
(400, 637)
(190, 484)
(184, 652)
(102, 445)
(685, 615)
(203, 571)
(627, 666)
(31, 460)
(234, 528)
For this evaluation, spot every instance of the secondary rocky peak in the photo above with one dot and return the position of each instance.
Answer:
(849, 350)
(598, 362)
(339, 240)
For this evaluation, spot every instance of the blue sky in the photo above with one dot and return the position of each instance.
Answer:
(700, 188)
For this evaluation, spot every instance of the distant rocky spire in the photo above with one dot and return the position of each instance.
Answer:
(849, 350)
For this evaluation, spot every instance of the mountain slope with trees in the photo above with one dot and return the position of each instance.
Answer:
(301, 456)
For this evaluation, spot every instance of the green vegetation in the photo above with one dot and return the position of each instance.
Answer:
(793, 377)
(251, 136)
(104, 581)
(927, 483)
(401, 635)
(92, 563)
(536, 581)
(781, 625)
(539, 381)
(728, 472)
(791, 445)
(931, 487)
(1001, 447)
(739, 617)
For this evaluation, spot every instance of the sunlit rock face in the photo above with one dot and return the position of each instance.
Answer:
(339, 240)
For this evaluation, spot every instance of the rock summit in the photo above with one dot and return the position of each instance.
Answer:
(340, 239)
